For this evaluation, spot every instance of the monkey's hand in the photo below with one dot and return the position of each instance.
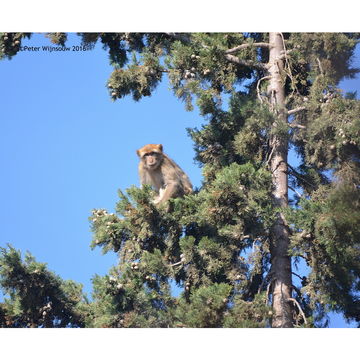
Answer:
(156, 200)
(159, 198)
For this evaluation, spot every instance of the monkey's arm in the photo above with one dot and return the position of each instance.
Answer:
(144, 176)
(170, 191)
(187, 186)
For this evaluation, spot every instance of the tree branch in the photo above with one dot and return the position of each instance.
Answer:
(297, 126)
(244, 46)
(258, 86)
(248, 63)
(297, 291)
(294, 111)
(178, 263)
(299, 307)
(270, 155)
(300, 277)
(320, 67)
(186, 39)
(296, 174)
(295, 191)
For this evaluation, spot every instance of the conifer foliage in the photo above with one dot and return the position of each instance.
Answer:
(38, 297)
(267, 240)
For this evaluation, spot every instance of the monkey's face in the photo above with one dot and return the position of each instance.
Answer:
(151, 156)
(152, 160)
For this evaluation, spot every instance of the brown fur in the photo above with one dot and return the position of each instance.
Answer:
(162, 173)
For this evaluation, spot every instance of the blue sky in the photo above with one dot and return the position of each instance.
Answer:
(66, 148)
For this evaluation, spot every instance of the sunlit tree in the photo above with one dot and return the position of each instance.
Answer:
(268, 239)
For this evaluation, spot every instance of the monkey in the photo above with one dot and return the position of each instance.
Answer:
(162, 173)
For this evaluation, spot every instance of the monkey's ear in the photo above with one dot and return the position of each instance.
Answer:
(160, 147)
(138, 153)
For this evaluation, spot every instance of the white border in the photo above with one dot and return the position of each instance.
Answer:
(179, 16)
(179, 344)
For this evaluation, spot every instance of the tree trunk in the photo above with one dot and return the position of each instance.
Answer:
(279, 239)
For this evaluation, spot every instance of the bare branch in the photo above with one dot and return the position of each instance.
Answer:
(297, 126)
(178, 263)
(270, 155)
(300, 309)
(296, 174)
(285, 52)
(300, 277)
(258, 87)
(320, 67)
(248, 63)
(295, 191)
(244, 46)
(294, 111)
(297, 291)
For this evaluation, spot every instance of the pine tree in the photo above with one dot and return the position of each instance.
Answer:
(233, 247)
(37, 297)
(233, 244)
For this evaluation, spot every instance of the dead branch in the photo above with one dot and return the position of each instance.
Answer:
(297, 291)
(299, 307)
(296, 174)
(270, 155)
(320, 66)
(295, 191)
(297, 126)
(300, 277)
(178, 263)
(258, 86)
